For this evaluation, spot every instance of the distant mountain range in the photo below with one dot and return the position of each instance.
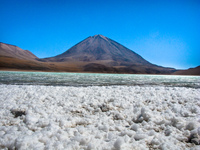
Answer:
(97, 54)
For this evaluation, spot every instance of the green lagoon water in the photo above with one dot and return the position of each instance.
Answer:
(94, 79)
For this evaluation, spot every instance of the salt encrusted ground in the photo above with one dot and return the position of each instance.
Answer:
(113, 117)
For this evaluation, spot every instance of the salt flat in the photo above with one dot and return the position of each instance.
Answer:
(99, 117)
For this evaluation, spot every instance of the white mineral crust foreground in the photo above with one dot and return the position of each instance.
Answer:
(112, 117)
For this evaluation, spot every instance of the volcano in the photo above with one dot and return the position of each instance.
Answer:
(96, 53)
(100, 48)
(100, 54)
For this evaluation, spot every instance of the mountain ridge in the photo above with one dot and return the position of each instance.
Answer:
(190, 71)
(97, 54)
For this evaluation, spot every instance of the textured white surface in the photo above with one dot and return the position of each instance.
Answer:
(113, 117)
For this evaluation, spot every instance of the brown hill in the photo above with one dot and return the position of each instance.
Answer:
(10, 63)
(15, 58)
(15, 52)
(190, 71)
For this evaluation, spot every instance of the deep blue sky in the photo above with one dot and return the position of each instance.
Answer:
(165, 32)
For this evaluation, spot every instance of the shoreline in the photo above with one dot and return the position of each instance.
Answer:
(8, 70)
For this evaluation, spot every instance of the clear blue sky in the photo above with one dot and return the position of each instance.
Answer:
(165, 32)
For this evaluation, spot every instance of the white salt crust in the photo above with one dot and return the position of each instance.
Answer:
(113, 117)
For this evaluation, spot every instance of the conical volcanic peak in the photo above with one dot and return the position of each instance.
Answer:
(100, 54)
(100, 48)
